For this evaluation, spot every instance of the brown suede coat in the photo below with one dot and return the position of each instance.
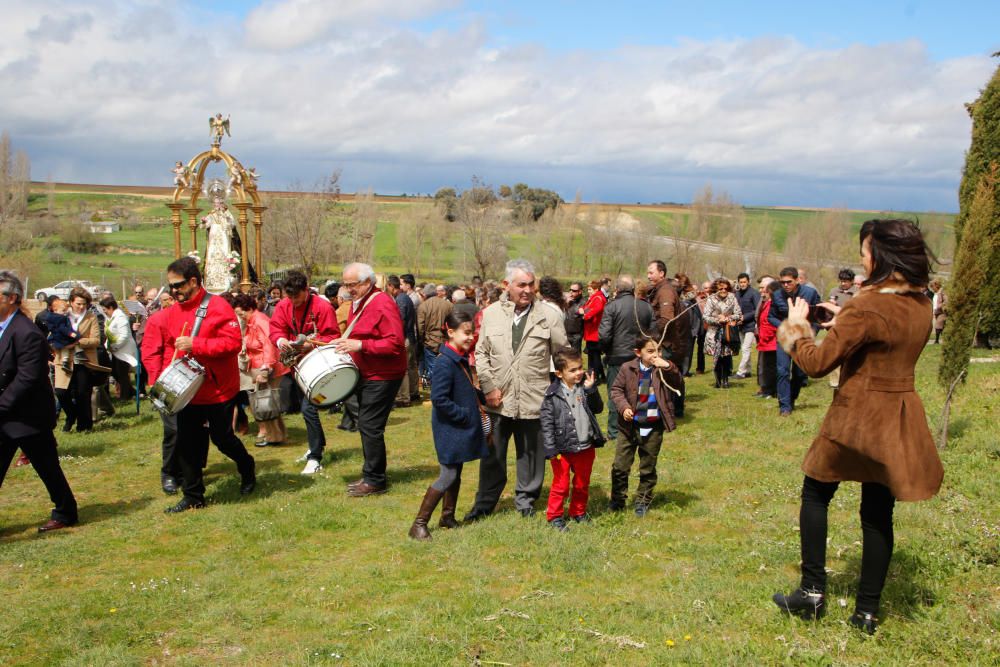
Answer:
(625, 394)
(666, 306)
(875, 430)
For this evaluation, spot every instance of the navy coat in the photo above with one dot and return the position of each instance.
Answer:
(455, 419)
(27, 406)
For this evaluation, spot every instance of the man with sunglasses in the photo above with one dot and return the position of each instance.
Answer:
(574, 321)
(210, 413)
(790, 377)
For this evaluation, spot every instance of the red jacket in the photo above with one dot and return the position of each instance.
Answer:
(315, 319)
(380, 330)
(592, 313)
(767, 341)
(216, 346)
(153, 346)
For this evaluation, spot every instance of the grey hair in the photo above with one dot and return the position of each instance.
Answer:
(625, 282)
(365, 271)
(522, 265)
(11, 285)
(458, 295)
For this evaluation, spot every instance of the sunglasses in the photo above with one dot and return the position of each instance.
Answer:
(787, 282)
(177, 285)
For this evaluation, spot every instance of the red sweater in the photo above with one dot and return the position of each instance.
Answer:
(216, 346)
(380, 330)
(592, 313)
(288, 322)
(153, 345)
(768, 333)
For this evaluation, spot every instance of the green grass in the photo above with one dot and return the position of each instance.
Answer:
(301, 574)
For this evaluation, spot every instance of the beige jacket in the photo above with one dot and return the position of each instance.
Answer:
(522, 376)
(90, 339)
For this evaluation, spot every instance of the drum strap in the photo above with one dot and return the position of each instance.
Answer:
(199, 315)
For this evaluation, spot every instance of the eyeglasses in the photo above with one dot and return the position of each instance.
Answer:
(576, 291)
(352, 285)
(177, 285)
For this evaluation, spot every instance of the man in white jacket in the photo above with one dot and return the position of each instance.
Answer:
(121, 345)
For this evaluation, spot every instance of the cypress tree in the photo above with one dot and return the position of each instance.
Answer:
(984, 151)
(965, 305)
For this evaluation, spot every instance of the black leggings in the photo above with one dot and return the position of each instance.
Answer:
(877, 503)
(723, 367)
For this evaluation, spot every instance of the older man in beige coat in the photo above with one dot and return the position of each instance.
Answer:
(516, 344)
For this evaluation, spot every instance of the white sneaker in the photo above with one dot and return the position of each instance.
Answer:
(312, 467)
(303, 458)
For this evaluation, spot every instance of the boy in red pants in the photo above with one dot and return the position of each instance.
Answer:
(570, 433)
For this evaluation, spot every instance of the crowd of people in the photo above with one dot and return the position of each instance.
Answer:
(520, 359)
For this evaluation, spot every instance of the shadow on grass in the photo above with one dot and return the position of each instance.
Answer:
(958, 426)
(227, 467)
(91, 513)
(227, 490)
(906, 593)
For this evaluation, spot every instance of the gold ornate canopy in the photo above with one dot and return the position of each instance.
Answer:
(189, 185)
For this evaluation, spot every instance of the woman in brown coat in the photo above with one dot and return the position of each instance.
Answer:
(73, 386)
(875, 431)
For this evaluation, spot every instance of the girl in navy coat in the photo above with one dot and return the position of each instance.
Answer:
(455, 421)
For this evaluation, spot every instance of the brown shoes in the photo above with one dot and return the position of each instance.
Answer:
(365, 489)
(418, 530)
(52, 524)
(22, 460)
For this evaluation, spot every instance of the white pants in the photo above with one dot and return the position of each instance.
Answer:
(748, 340)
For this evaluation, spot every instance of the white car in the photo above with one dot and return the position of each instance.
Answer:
(63, 289)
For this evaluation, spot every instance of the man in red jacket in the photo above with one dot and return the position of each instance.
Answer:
(302, 313)
(210, 412)
(153, 362)
(375, 341)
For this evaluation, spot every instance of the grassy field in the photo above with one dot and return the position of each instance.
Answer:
(300, 574)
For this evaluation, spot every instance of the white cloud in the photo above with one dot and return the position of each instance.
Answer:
(764, 109)
(287, 24)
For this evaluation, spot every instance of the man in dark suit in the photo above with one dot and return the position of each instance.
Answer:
(27, 406)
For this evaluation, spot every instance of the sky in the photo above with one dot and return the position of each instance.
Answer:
(854, 104)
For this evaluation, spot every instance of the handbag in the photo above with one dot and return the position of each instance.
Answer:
(484, 416)
(265, 403)
(731, 336)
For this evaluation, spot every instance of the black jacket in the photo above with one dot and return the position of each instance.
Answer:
(620, 325)
(749, 300)
(27, 406)
(574, 321)
(559, 427)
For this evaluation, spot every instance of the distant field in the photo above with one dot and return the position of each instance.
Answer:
(144, 247)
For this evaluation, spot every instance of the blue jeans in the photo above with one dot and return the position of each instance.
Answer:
(427, 360)
(612, 371)
(790, 380)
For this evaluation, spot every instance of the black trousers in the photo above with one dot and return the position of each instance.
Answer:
(171, 460)
(877, 503)
(122, 373)
(195, 425)
(594, 362)
(375, 401)
(701, 351)
(41, 451)
(75, 399)
(767, 372)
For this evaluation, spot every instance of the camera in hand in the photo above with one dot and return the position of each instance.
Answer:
(819, 315)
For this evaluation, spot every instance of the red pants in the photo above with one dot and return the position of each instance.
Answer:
(581, 463)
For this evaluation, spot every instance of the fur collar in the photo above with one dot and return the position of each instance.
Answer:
(895, 284)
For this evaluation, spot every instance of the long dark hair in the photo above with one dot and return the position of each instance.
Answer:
(897, 245)
(550, 290)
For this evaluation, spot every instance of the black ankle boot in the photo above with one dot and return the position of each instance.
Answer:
(807, 604)
(864, 621)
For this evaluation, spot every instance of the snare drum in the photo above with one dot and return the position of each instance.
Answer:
(177, 385)
(326, 376)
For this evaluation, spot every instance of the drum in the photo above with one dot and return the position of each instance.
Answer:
(326, 376)
(177, 385)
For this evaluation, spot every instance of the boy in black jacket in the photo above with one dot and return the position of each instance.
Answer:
(570, 433)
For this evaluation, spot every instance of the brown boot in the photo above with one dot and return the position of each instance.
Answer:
(448, 505)
(418, 530)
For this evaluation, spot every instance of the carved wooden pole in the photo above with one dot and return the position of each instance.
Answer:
(244, 261)
(175, 220)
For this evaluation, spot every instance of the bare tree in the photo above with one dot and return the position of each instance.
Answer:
(484, 224)
(364, 222)
(305, 232)
(421, 236)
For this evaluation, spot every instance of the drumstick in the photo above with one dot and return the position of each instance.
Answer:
(183, 329)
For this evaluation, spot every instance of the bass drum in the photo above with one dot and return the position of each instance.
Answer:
(326, 376)
(177, 385)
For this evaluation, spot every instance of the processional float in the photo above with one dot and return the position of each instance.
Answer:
(227, 256)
